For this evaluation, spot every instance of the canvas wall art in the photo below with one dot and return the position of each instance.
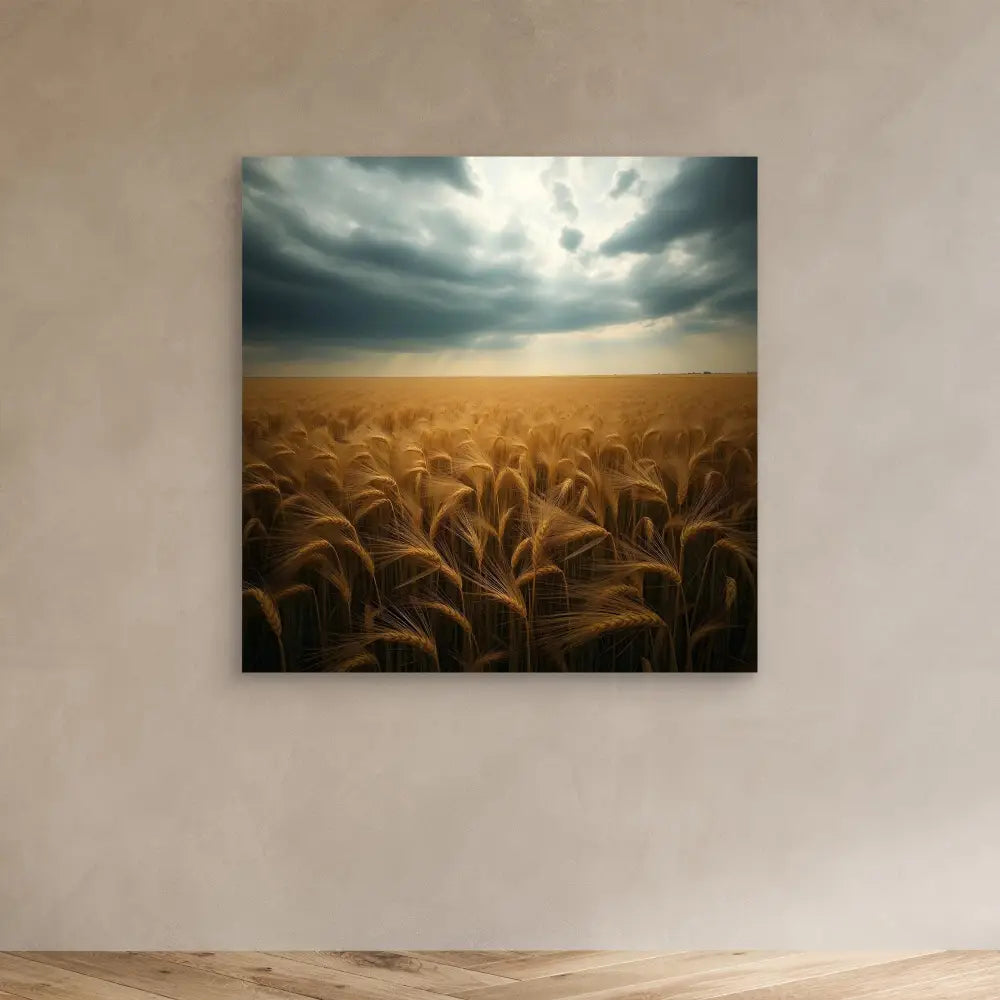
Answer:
(499, 414)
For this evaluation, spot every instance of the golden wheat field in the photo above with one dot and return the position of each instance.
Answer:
(602, 523)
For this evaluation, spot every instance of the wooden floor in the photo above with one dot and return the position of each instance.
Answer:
(500, 975)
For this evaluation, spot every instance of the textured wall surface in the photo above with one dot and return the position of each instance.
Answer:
(151, 796)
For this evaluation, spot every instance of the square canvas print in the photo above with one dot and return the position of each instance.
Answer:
(499, 414)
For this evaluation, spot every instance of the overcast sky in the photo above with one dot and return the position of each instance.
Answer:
(499, 265)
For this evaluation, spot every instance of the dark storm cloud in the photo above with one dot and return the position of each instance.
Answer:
(742, 302)
(708, 195)
(708, 215)
(341, 254)
(716, 278)
(306, 284)
(624, 179)
(562, 198)
(451, 170)
(570, 239)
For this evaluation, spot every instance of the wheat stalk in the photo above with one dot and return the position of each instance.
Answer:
(576, 628)
(698, 525)
(496, 582)
(511, 477)
(522, 547)
(267, 606)
(447, 505)
(377, 504)
(254, 488)
(402, 629)
(730, 594)
(531, 575)
(449, 612)
(479, 664)
(271, 615)
(291, 591)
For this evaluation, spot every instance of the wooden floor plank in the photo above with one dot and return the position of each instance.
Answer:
(952, 976)
(624, 974)
(703, 979)
(742, 978)
(301, 978)
(29, 979)
(560, 962)
(155, 975)
(476, 959)
(795, 969)
(405, 969)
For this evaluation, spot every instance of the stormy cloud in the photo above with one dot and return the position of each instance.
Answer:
(451, 170)
(562, 198)
(570, 239)
(624, 180)
(709, 195)
(354, 261)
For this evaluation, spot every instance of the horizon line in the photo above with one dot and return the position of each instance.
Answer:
(552, 375)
